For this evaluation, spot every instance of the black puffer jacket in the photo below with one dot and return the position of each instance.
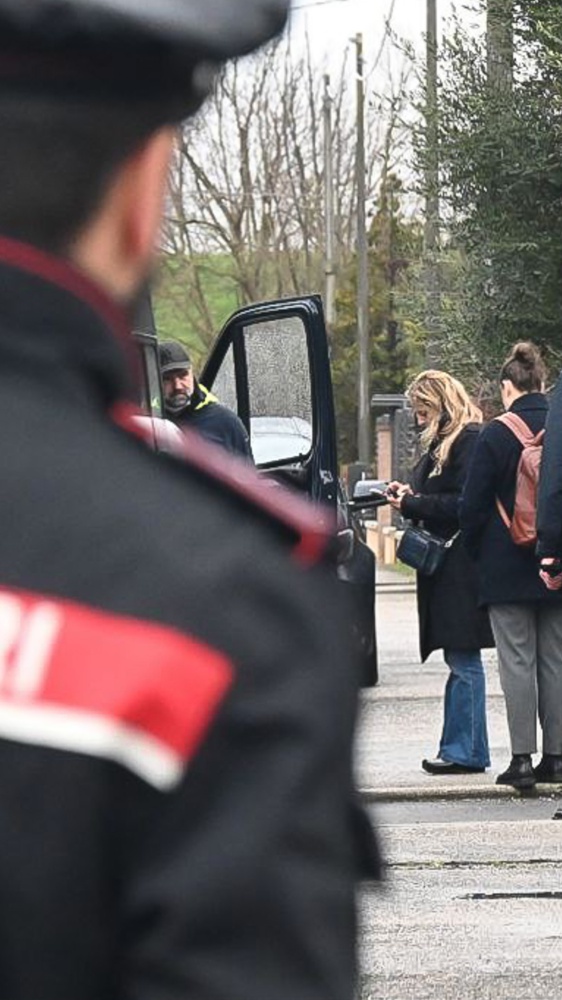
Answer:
(177, 697)
(448, 610)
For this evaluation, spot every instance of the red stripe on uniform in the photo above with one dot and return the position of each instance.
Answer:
(146, 678)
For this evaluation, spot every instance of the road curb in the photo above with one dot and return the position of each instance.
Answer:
(417, 793)
(395, 588)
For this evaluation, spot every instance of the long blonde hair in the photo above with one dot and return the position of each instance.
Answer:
(449, 408)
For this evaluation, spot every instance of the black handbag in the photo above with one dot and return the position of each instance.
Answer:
(423, 551)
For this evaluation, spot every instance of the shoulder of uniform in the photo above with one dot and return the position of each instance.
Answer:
(307, 529)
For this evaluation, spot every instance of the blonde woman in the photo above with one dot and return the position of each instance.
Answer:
(449, 616)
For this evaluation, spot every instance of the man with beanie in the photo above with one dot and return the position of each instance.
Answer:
(177, 696)
(189, 404)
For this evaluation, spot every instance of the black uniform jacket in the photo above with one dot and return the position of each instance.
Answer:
(447, 601)
(549, 513)
(214, 422)
(177, 698)
(508, 573)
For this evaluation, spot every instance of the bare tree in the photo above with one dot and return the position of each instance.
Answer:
(246, 207)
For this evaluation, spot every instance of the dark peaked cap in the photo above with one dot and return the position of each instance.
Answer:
(149, 46)
(214, 28)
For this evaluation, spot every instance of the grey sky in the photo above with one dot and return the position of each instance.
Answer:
(331, 24)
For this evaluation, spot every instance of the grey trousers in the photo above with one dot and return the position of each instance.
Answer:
(529, 642)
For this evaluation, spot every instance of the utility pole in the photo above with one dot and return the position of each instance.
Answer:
(329, 261)
(431, 231)
(499, 37)
(500, 60)
(364, 373)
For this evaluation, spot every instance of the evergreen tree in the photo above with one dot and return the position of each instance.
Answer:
(501, 162)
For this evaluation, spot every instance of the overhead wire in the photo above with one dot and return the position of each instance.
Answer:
(316, 3)
(387, 30)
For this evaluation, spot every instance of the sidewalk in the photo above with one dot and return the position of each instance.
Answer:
(401, 718)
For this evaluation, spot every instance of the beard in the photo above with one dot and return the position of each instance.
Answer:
(177, 402)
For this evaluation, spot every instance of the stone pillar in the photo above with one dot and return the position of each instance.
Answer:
(384, 463)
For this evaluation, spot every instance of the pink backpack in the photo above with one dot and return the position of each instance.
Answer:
(523, 525)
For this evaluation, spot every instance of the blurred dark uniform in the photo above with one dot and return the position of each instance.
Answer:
(549, 508)
(177, 697)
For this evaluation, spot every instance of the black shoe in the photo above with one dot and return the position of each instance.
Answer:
(448, 767)
(520, 772)
(549, 770)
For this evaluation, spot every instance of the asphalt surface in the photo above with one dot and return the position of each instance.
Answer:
(511, 809)
(471, 907)
(401, 718)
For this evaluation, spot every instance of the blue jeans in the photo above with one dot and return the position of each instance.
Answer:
(465, 736)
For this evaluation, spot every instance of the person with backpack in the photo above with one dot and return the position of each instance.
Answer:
(498, 521)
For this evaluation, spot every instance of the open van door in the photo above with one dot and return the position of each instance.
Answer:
(270, 364)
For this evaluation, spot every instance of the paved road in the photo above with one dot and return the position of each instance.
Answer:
(472, 906)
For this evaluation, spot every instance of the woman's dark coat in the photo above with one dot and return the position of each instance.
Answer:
(508, 573)
(448, 611)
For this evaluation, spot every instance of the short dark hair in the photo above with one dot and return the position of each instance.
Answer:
(524, 367)
(57, 158)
